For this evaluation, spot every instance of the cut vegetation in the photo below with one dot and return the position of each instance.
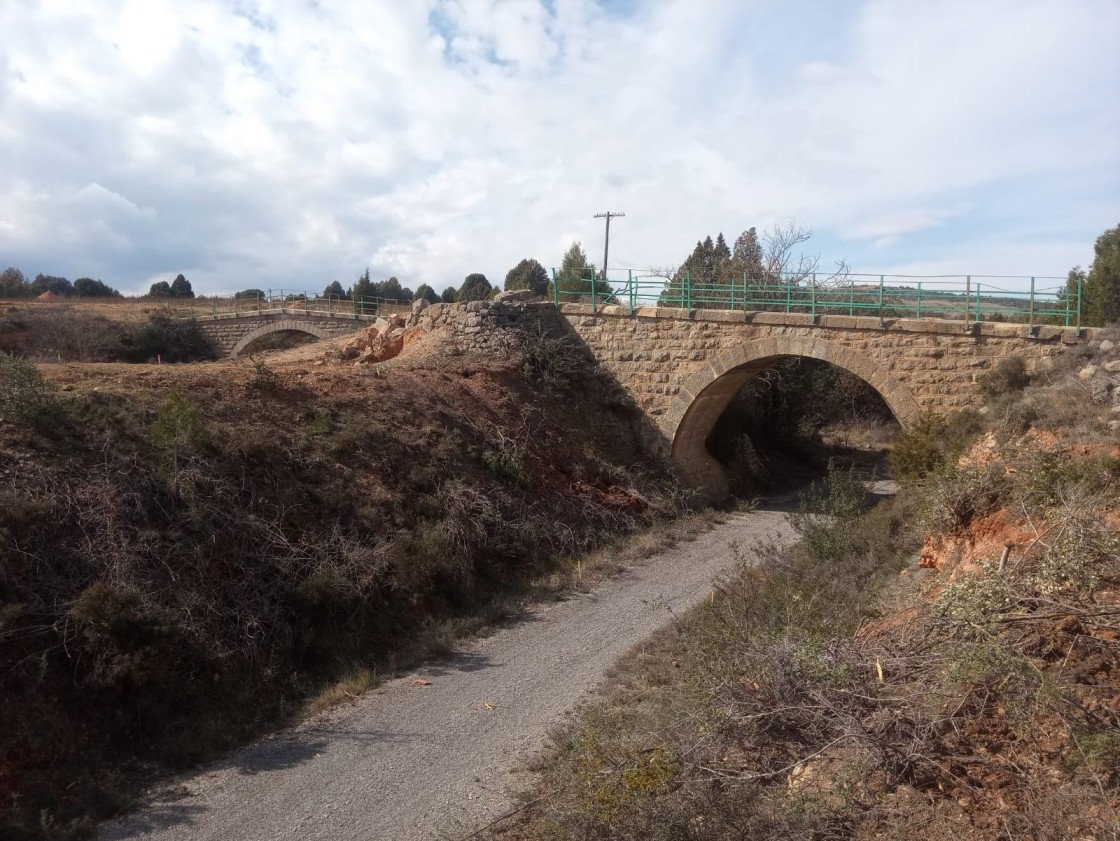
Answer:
(837, 689)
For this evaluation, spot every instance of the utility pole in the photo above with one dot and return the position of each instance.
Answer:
(607, 242)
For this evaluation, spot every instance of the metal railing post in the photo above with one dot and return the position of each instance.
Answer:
(633, 291)
(594, 299)
(688, 289)
(789, 295)
(555, 289)
(967, 298)
(1079, 280)
(880, 300)
(813, 295)
(1030, 318)
(919, 315)
(852, 297)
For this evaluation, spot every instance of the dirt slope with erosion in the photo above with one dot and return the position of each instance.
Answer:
(187, 553)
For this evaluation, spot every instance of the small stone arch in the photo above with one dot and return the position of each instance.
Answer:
(705, 395)
(283, 326)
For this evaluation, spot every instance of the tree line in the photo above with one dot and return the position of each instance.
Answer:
(1100, 286)
(13, 284)
(710, 269)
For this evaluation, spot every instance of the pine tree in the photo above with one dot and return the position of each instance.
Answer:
(528, 274)
(363, 288)
(703, 279)
(426, 293)
(575, 278)
(335, 290)
(746, 260)
(181, 287)
(391, 290)
(1102, 286)
(475, 288)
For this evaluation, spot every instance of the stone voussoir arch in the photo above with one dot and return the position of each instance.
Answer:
(704, 396)
(287, 325)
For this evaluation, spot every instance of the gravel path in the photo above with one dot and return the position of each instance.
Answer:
(436, 761)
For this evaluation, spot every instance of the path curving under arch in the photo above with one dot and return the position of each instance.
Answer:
(706, 394)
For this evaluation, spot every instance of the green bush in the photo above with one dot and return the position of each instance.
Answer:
(933, 441)
(130, 642)
(917, 452)
(177, 428)
(264, 379)
(957, 496)
(1009, 376)
(170, 339)
(25, 399)
(507, 462)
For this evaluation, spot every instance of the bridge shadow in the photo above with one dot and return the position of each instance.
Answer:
(870, 467)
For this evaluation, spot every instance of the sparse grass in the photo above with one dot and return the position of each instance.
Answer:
(343, 691)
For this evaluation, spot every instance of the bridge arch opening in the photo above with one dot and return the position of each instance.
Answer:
(699, 445)
(281, 334)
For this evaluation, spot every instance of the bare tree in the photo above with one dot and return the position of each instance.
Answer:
(784, 262)
(774, 261)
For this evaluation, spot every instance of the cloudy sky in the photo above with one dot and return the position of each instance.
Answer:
(289, 143)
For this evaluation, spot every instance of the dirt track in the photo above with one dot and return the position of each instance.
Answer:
(437, 761)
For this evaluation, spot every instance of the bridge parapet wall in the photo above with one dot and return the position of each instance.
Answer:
(663, 356)
(659, 354)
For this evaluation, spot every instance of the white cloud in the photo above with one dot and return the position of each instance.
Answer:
(289, 142)
(887, 228)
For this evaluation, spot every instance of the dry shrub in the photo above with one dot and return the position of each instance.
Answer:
(760, 715)
(957, 497)
(1009, 375)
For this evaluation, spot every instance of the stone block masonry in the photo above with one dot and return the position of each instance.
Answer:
(231, 334)
(683, 367)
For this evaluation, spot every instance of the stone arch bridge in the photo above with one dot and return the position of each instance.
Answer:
(682, 367)
(233, 333)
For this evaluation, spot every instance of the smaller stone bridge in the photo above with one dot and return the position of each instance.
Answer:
(232, 333)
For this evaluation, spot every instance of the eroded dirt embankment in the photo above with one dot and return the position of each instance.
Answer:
(191, 552)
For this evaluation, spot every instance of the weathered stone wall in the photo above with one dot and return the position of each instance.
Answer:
(231, 333)
(657, 351)
(683, 367)
(490, 327)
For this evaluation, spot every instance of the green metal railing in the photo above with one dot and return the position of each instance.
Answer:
(285, 301)
(969, 298)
